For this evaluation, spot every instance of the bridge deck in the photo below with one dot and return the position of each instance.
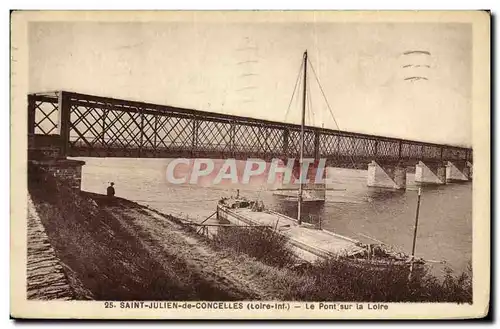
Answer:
(103, 127)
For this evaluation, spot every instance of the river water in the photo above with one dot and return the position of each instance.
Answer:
(351, 208)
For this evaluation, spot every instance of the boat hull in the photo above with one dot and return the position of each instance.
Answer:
(311, 193)
(309, 243)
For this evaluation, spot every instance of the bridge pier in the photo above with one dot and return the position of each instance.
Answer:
(430, 173)
(44, 153)
(386, 175)
(458, 171)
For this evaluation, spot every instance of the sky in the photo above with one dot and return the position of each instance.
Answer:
(250, 69)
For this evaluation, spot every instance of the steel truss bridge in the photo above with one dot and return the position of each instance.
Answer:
(93, 126)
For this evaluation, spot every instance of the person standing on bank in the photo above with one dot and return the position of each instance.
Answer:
(111, 190)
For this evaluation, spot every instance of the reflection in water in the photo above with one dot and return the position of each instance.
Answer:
(352, 209)
(382, 195)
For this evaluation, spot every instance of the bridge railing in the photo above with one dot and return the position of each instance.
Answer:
(101, 126)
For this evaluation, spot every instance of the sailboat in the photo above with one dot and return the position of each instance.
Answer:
(308, 241)
(303, 194)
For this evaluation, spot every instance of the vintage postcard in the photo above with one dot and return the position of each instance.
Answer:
(250, 165)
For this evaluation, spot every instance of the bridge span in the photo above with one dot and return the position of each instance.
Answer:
(94, 126)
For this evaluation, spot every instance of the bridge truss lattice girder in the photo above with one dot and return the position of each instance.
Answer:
(100, 126)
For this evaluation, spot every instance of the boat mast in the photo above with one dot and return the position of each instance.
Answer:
(304, 95)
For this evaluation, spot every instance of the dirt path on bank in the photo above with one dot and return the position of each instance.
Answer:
(179, 250)
(125, 251)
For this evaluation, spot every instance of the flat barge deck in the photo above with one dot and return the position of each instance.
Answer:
(308, 242)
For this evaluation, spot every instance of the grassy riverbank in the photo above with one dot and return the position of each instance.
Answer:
(340, 279)
(121, 250)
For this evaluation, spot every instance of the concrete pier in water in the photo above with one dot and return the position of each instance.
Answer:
(430, 173)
